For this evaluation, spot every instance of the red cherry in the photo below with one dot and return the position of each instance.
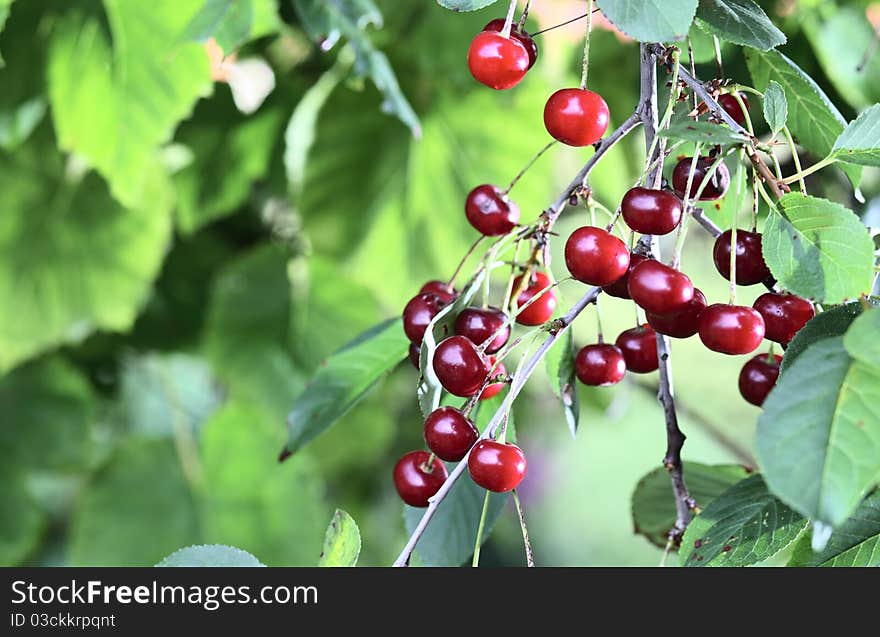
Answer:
(490, 211)
(415, 354)
(784, 315)
(639, 348)
(416, 480)
(526, 40)
(418, 313)
(480, 324)
(728, 102)
(460, 368)
(599, 365)
(496, 61)
(620, 287)
(682, 323)
(596, 257)
(716, 187)
(576, 116)
(443, 291)
(497, 466)
(758, 377)
(731, 329)
(449, 433)
(495, 388)
(659, 289)
(649, 211)
(541, 310)
(750, 266)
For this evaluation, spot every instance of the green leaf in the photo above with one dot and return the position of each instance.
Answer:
(859, 143)
(861, 339)
(818, 249)
(704, 133)
(815, 122)
(4, 13)
(115, 107)
(16, 125)
(21, 519)
(343, 380)
(342, 543)
(818, 438)
(653, 503)
(210, 555)
(832, 322)
(465, 5)
(743, 526)
(560, 369)
(651, 20)
(741, 22)
(233, 22)
(855, 543)
(775, 107)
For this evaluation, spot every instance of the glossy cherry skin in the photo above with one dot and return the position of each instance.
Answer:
(649, 211)
(682, 323)
(728, 102)
(716, 187)
(497, 466)
(750, 266)
(479, 324)
(758, 376)
(496, 61)
(576, 116)
(415, 480)
(596, 257)
(657, 288)
(445, 292)
(418, 313)
(784, 315)
(620, 288)
(460, 368)
(731, 329)
(490, 212)
(415, 355)
(498, 25)
(449, 433)
(639, 348)
(494, 389)
(541, 310)
(599, 365)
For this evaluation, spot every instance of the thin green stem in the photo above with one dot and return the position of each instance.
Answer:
(508, 23)
(524, 16)
(527, 545)
(795, 156)
(718, 60)
(809, 171)
(525, 168)
(586, 68)
(479, 541)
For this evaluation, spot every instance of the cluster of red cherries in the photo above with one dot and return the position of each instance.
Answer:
(464, 363)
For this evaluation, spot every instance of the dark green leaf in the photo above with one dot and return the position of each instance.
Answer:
(210, 555)
(21, 520)
(704, 133)
(227, 21)
(859, 143)
(855, 543)
(651, 20)
(342, 543)
(4, 13)
(775, 107)
(741, 22)
(465, 5)
(862, 339)
(832, 322)
(560, 369)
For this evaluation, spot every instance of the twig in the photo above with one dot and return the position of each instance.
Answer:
(530, 558)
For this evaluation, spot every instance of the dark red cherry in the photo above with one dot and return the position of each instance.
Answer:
(596, 257)
(731, 329)
(541, 310)
(527, 41)
(682, 323)
(480, 324)
(418, 313)
(460, 368)
(576, 116)
(715, 188)
(784, 315)
(639, 348)
(658, 288)
(449, 433)
(496, 61)
(416, 480)
(497, 466)
(728, 102)
(494, 389)
(599, 365)
(758, 377)
(415, 354)
(490, 211)
(750, 266)
(445, 292)
(620, 287)
(649, 211)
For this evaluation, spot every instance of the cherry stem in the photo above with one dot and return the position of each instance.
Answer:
(562, 24)
(524, 16)
(733, 260)
(530, 559)
(693, 68)
(796, 158)
(479, 542)
(718, 60)
(508, 22)
(512, 318)
(809, 171)
(525, 168)
(464, 260)
(600, 337)
(586, 68)
(755, 199)
(428, 465)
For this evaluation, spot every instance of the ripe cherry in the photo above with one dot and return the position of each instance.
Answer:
(784, 315)
(620, 287)
(497, 466)
(731, 329)
(443, 291)
(460, 368)
(639, 348)
(649, 211)
(497, 61)
(494, 389)
(416, 480)
(415, 354)
(715, 188)
(527, 41)
(449, 433)
(600, 365)
(541, 310)
(682, 323)
(480, 324)
(758, 377)
(728, 102)
(658, 288)
(595, 256)
(750, 266)
(418, 313)
(576, 116)
(490, 211)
